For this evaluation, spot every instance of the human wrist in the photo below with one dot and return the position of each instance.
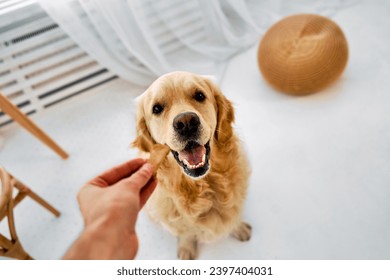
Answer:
(104, 239)
(116, 233)
(110, 230)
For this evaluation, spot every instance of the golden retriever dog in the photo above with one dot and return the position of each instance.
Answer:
(203, 181)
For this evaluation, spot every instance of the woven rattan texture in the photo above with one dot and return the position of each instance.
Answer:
(302, 54)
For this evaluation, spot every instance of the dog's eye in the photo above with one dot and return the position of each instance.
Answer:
(157, 109)
(199, 96)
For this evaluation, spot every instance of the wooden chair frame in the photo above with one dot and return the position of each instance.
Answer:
(17, 115)
(12, 247)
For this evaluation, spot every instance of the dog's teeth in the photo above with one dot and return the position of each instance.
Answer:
(185, 162)
(200, 164)
(193, 166)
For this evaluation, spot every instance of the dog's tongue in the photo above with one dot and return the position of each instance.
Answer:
(194, 155)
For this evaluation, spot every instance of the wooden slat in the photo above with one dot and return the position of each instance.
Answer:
(68, 79)
(53, 85)
(63, 43)
(52, 60)
(68, 91)
(28, 44)
(26, 28)
(7, 78)
(77, 87)
(44, 63)
(70, 66)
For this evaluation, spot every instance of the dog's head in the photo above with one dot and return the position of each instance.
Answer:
(188, 113)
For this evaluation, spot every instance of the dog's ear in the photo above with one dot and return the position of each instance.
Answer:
(225, 118)
(144, 140)
(225, 114)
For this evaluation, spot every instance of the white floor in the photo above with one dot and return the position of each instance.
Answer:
(320, 187)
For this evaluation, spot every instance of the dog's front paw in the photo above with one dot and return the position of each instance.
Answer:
(243, 232)
(186, 254)
(187, 249)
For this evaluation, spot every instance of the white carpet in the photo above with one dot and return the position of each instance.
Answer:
(320, 187)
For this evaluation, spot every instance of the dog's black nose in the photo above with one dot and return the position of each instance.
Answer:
(186, 124)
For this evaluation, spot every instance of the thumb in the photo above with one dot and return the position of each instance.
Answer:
(140, 178)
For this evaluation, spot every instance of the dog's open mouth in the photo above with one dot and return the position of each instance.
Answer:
(194, 159)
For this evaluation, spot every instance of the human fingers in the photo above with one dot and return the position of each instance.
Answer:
(117, 173)
(139, 178)
(147, 191)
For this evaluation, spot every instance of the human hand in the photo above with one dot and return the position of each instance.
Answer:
(110, 204)
(121, 191)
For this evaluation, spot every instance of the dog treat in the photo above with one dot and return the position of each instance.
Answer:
(157, 155)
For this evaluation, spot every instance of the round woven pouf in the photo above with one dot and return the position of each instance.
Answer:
(302, 54)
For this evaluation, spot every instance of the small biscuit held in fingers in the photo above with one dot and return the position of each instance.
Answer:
(157, 155)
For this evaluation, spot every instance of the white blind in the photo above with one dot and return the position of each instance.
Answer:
(39, 64)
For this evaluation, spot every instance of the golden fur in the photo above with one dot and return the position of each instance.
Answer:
(195, 209)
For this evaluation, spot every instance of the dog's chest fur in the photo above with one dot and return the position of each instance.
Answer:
(209, 207)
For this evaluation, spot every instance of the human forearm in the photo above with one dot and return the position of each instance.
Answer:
(103, 240)
(110, 204)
